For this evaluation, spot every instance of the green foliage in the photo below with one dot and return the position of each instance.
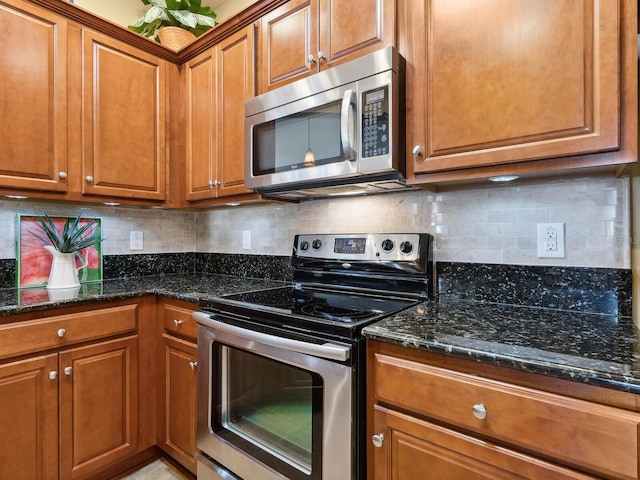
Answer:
(73, 237)
(187, 14)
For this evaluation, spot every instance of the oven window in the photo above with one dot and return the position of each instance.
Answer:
(274, 406)
(287, 143)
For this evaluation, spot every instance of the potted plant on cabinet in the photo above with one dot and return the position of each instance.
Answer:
(174, 23)
(65, 246)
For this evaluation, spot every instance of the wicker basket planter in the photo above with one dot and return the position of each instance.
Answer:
(175, 38)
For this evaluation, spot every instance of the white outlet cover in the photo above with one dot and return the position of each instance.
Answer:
(544, 233)
(136, 240)
(246, 239)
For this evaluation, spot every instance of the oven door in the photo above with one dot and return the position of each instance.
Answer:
(271, 407)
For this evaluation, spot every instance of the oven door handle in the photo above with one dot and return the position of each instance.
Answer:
(329, 351)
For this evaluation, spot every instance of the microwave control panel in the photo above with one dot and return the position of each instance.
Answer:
(375, 122)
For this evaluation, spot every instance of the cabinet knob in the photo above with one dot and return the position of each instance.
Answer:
(377, 439)
(62, 332)
(321, 56)
(193, 365)
(479, 411)
(62, 175)
(416, 150)
(311, 59)
(68, 371)
(177, 323)
(53, 375)
(89, 179)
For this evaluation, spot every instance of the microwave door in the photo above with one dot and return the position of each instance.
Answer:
(309, 139)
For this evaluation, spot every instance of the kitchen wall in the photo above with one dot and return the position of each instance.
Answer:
(490, 225)
(124, 12)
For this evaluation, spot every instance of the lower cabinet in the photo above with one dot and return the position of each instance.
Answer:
(29, 419)
(72, 411)
(177, 422)
(411, 448)
(98, 406)
(434, 417)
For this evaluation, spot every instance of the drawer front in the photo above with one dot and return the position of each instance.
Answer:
(178, 320)
(594, 437)
(37, 335)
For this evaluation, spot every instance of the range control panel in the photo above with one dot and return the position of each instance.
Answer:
(370, 247)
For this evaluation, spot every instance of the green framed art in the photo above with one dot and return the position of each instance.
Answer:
(34, 262)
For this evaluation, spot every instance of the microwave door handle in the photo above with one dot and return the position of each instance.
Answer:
(348, 106)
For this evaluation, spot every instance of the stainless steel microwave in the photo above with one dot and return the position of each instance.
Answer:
(337, 132)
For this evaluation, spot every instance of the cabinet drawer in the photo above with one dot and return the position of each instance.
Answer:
(178, 320)
(597, 438)
(36, 335)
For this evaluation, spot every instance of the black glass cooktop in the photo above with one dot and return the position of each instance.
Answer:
(314, 304)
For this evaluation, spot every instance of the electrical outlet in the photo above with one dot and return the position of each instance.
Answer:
(136, 240)
(551, 240)
(246, 239)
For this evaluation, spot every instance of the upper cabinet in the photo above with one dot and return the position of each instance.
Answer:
(217, 82)
(123, 120)
(33, 98)
(499, 85)
(303, 37)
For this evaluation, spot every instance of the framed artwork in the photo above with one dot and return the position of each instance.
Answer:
(34, 262)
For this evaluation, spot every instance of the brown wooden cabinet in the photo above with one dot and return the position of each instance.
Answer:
(217, 82)
(496, 88)
(429, 421)
(305, 36)
(33, 98)
(73, 411)
(29, 419)
(177, 432)
(123, 120)
(98, 406)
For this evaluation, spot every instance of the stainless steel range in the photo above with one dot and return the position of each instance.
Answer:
(281, 391)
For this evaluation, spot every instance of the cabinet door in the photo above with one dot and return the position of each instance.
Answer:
(349, 28)
(124, 120)
(289, 43)
(200, 93)
(411, 449)
(178, 427)
(98, 406)
(499, 81)
(29, 419)
(33, 98)
(236, 83)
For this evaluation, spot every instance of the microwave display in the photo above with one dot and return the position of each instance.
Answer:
(375, 122)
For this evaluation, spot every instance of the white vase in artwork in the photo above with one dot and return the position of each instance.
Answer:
(64, 273)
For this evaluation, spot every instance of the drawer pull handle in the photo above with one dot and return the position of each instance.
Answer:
(479, 411)
(377, 439)
(177, 323)
(62, 332)
(53, 375)
(68, 371)
(193, 365)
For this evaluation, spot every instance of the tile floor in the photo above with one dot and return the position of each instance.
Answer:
(159, 469)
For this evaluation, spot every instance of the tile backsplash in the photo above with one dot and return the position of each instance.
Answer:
(489, 225)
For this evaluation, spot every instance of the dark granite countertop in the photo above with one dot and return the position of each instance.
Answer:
(183, 287)
(602, 350)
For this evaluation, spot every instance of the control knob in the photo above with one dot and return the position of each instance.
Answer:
(406, 247)
(387, 245)
(304, 245)
(316, 244)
